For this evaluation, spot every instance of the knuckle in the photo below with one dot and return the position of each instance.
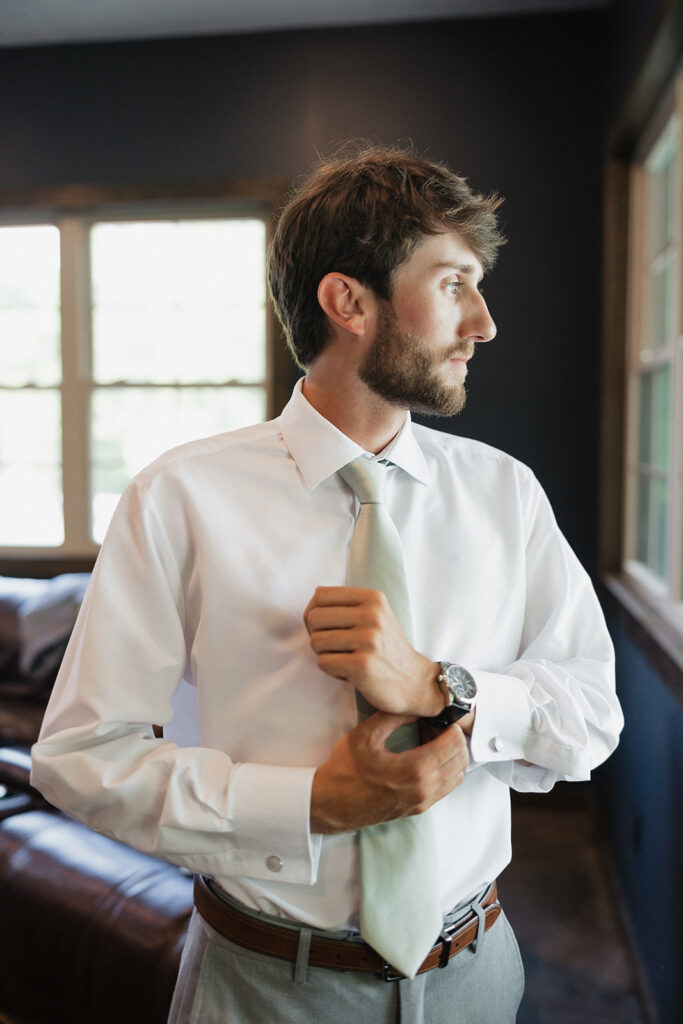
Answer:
(372, 619)
(369, 639)
(423, 805)
(421, 786)
(311, 616)
(363, 662)
(457, 738)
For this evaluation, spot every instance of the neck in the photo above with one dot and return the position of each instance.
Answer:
(352, 407)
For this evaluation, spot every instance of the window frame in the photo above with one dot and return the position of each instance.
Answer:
(652, 620)
(74, 211)
(666, 596)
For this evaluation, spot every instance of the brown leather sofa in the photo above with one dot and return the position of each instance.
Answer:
(91, 931)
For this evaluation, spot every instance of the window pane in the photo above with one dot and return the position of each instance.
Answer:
(662, 302)
(662, 190)
(655, 398)
(132, 426)
(31, 511)
(179, 301)
(652, 525)
(29, 305)
(180, 346)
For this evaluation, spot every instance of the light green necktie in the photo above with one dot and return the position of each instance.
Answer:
(400, 914)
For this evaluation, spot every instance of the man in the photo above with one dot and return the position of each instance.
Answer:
(225, 606)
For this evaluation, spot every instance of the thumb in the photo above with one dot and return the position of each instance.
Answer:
(382, 724)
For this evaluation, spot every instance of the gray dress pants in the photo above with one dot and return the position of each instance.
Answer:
(223, 983)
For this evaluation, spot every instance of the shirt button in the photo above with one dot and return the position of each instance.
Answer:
(496, 744)
(274, 863)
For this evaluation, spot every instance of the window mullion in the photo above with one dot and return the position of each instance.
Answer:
(633, 363)
(676, 536)
(77, 382)
(676, 524)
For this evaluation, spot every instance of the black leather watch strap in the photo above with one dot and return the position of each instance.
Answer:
(430, 728)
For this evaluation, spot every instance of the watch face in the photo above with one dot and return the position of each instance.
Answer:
(460, 683)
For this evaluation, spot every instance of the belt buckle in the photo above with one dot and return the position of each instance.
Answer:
(389, 973)
(446, 938)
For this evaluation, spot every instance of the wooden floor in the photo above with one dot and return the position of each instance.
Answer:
(560, 900)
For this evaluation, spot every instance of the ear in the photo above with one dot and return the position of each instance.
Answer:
(346, 302)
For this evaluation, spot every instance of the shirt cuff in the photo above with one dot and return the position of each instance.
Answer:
(271, 816)
(503, 719)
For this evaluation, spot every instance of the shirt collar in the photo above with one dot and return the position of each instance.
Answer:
(321, 449)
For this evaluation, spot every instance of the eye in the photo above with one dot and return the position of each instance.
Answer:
(454, 286)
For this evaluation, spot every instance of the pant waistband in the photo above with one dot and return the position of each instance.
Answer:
(283, 941)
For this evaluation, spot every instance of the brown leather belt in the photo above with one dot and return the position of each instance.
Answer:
(283, 942)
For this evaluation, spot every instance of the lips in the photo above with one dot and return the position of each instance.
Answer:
(461, 355)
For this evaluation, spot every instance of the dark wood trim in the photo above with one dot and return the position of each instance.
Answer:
(267, 193)
(613, 384)
(43, 568)
(660, 643)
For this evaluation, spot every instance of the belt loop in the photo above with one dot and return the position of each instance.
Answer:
(481, 927)
(301, 963)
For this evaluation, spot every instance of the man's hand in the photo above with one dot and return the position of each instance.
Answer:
(357, 637)
(362, 783)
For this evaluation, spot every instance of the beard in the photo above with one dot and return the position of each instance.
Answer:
(403, 370)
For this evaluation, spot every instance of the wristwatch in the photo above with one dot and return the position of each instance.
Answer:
(459, 690)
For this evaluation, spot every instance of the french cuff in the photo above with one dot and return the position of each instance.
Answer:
(503, 719)
(271, 812)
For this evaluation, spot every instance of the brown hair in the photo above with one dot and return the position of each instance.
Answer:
(363, 213)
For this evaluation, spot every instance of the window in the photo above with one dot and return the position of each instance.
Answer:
(121, 336)
(653, 545)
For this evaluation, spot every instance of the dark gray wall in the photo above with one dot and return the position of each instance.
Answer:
(514, 104)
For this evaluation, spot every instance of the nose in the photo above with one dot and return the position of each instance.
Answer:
(478, 324)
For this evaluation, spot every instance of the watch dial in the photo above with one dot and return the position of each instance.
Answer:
(463, 683)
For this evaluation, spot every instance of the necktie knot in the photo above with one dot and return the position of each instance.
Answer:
(366, 479)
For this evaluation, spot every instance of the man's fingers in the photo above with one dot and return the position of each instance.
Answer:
(447, 750)
(363, 783)
(333, 617)
(340, 597)
(449, 744)
(325, 596)
(333, 640)
(419, 777)
(383, 724)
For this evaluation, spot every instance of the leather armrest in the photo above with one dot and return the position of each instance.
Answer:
(15, 767)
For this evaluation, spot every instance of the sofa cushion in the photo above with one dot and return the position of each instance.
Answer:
(91, 931)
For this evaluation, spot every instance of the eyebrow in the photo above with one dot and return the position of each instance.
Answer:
(462, 268)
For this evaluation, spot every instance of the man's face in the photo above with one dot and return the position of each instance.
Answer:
(427, 331)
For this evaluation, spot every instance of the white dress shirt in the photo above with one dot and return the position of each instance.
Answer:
(193, 620)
